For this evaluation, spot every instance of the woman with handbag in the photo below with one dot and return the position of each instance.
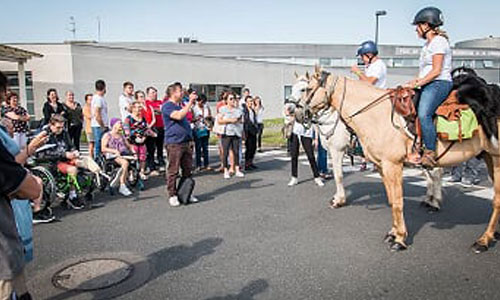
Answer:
(201, 113)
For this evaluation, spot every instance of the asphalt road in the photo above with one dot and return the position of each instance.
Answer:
(256, 238)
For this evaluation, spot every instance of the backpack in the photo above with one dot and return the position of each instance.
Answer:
(185, 189)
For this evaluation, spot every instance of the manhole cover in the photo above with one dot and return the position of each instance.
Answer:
(93, 274)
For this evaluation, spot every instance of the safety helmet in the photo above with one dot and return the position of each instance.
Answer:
(367, 47)
(430, 15)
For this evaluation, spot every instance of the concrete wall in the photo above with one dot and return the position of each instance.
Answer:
(54, 70)
(146, 68)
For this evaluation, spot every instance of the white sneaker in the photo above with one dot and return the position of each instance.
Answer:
(293, 181)
(239, 174)
(319, 181)
(193, 199)
(116, 180)
(143, 176)
(154, 173)
(174, 201)
(226, 175)
(124, 190)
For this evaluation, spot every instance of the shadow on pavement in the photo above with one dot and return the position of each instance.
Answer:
(248, 292)
(458, 208)
(159, 263)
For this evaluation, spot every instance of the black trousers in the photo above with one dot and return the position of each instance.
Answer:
(251, 148)
(308, 148)
(259, 135)
(155, 145)
(230, 142)
(75, 133)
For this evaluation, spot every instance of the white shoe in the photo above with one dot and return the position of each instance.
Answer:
(319, 181)
(226, 175)
(124, 190)
(143, 176)
(154, 173)
(193, 199)
(116, 180)
(174, 201)
(239, 174)
(293, 181)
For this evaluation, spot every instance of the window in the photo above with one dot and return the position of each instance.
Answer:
(324, 61)
(212, 91)
(288, 92)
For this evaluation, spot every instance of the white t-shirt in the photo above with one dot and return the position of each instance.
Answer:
(260, 116)
(124, 103)
(438, 45)
(201, 112)
(378, 70)
(300, 130)
(98, 101)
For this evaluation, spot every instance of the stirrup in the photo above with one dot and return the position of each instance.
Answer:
(429, 159)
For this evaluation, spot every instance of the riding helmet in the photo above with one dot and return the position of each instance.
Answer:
(367, 47)
(430, 15)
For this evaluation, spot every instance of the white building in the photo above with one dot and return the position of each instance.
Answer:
(267, 69)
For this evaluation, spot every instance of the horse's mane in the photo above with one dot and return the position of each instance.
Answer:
(483, 98)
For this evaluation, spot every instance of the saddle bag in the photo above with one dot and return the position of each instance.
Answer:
(185, 189)
(455, 121)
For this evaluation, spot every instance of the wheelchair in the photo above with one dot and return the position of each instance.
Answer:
(111, 168)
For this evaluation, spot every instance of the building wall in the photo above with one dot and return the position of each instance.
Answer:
(146, 68)
(54, 70)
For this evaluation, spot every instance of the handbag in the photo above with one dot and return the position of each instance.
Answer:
(201, 132)
(185, 189)
(218, 128)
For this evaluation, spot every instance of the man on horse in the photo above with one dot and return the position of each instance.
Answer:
(376, 70)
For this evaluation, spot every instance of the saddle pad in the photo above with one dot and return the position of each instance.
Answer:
(457, 130)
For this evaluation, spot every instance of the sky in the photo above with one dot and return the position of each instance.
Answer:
(271, 21)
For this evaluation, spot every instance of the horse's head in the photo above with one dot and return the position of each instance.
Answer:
(317, 95)
(298, 96)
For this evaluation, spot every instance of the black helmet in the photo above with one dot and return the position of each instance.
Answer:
(430, 15)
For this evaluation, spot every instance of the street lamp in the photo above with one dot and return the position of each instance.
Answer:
(378, 13)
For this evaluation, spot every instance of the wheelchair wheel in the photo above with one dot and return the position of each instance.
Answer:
(133, 175)
(49, 185)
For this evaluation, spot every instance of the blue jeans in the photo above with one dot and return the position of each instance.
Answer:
(201, 150)
(432, 95)
(97, 132)
(322, 160)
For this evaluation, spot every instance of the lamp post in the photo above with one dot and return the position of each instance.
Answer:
(378, 13)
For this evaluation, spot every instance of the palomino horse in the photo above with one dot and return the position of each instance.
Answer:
(336, 138)
(387, 145)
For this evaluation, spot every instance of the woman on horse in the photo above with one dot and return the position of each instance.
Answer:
(434, 78)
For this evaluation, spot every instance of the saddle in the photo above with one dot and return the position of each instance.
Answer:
(405, 100)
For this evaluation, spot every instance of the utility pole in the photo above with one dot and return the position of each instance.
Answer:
(98, 29)
(378, 13)
(72, 27)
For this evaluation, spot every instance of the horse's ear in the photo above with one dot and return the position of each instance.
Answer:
(296, 75)
(317, 69)
(307, 75)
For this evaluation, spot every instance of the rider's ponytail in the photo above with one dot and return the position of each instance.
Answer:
(441, 32)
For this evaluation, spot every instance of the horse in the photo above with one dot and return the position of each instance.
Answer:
(333, 134)
(364, 109)
(335, 137)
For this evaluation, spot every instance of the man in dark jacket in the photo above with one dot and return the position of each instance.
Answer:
(251, 129)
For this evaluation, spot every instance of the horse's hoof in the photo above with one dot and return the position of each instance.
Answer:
(389, 238)
(336, 205)
(431, 209)
(478, 248)
(398, 247)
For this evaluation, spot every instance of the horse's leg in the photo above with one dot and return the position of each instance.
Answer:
(393, 182)
(488, 236)
(337, 158)
(434, 194)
